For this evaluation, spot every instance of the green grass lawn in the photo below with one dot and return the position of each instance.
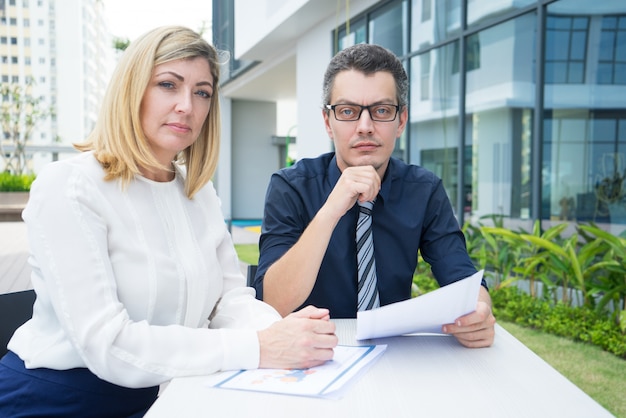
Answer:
(248, 253)
(598, 373)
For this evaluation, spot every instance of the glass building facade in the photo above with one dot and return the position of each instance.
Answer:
(518, 105)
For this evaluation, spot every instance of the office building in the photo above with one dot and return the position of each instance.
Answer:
(518, 105)
(64, 49)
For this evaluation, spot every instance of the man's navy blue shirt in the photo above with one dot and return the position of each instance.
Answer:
(412, 212)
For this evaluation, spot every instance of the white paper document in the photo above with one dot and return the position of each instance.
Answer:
(326, 380)
(423, 314)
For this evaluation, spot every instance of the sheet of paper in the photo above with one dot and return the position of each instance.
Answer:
(423, 314)
(326, 380)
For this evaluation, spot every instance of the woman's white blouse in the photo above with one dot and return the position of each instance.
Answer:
(140, 284)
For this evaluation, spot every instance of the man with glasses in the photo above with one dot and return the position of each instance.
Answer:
(308, 246)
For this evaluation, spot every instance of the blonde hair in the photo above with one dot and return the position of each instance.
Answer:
(118, 140)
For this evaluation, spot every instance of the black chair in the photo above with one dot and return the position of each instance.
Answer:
(251, 274)
(15, 309)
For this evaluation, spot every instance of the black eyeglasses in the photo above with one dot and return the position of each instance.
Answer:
(351, 112)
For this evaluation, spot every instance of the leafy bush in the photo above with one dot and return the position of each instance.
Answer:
(423, 280)
(590, 262)
(15, 183)
(577, 323)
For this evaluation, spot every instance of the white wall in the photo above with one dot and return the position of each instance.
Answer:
(254, 158)
(313, 52)
(255, 19)
(312, 57)
(222, 180)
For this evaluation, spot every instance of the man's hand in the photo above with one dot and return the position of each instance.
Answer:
(303, 339)
(289, 281)
(356, 183)
(475, 329)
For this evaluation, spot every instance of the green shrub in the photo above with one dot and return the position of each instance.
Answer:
(15, 183)
(422, 283)
(577, 323)
(423, 279)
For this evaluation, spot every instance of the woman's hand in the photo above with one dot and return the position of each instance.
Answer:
(303, 339)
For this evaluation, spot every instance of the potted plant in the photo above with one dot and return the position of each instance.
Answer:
(14, 191)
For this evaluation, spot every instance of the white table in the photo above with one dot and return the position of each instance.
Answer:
(417, 376)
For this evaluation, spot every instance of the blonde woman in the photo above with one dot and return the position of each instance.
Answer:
(136, 276)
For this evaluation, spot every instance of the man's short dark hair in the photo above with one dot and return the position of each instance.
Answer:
(367, 59)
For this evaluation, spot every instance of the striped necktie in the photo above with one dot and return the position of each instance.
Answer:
(368, 291)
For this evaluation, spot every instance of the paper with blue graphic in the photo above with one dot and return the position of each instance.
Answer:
(326, 380)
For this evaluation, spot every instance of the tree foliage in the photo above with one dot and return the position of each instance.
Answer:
(20, 113)
(120, 44)
(576, 284)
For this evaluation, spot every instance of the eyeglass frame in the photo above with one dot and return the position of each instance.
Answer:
(330, 107)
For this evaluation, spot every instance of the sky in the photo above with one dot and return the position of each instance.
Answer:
(132, 18)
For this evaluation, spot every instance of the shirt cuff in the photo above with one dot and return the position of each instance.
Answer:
(241, 349)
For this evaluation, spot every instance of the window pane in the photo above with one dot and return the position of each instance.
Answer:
(566, 49)
(603, 130)
(609, 22)
(432, 25)
(583, 144)
(561, 46)
(576, 73)
(607, 41)
(473, 52)
(481, 10)
(387, 27)
(499, 102)
(620, 74)
(620, 49)
(562, 23)
(578, 46)
(580, 23)
(433, 115)
(423, 72)
(356, 35)
(604, 74)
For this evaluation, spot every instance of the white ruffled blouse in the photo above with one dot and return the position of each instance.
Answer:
(139, 285)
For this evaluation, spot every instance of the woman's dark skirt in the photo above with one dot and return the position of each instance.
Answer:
(66, 393)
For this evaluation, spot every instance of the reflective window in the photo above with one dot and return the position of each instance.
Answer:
(224, 37)
(433, 118)
(352, 34)
(387, 27)
(433, 21)
(426, 10)
(499, 107)
(566, 49)
(472, 51)
(584, 163)
(612, 53)
(424, 76)
(584, 138)
(479, 11)
(583, 141)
